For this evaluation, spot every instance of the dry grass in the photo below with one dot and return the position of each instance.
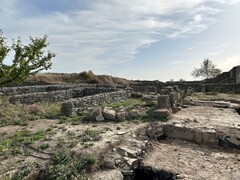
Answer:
(76, 78)
(19, 114)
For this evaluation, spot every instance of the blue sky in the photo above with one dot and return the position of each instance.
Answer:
(135, 39)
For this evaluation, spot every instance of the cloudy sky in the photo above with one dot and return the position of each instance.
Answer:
(135, 39)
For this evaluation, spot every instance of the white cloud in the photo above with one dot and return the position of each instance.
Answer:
(110, 31)
(229, 62)
(197, 18)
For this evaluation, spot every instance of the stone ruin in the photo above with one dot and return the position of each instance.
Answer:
(128, 156)
(75, 98)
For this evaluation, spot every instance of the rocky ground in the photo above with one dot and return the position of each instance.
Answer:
(187, 145)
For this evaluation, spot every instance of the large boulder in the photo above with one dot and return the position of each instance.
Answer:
(93, 113)
(109, 113)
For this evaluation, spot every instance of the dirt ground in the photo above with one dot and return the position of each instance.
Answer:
(193, 161)
(189, 160)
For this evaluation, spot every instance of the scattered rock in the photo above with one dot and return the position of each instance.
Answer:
(154, 131)
(93, 113)
(100, 117)
(134, 113)
(109, 162)
(109, 114)
(184, 106)
(121, 132)
(124, 151)
(131, 162)
(121, 116)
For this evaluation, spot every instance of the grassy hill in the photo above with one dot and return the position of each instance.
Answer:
(75, 78)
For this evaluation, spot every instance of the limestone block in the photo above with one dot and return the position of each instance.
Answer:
(109, 114)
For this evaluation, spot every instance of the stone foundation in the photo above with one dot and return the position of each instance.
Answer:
(72, 106)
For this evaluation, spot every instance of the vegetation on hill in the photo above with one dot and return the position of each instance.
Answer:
(75, 78)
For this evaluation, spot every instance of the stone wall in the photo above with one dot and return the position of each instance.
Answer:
(147, 86)
(232, 76)
(156, 86)
(72, 106)
(61, 95)
(8, 91)
(197, 86)
(223, 88)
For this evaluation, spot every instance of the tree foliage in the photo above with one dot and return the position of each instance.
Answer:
(206, 71)
(28, 59)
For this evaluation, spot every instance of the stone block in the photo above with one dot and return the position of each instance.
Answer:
(163, 102)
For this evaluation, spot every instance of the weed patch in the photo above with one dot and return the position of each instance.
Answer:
(67, 165)
(19, 114)
(128, 103)
(91, 135)
(12, 144)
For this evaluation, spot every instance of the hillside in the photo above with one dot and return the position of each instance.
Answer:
(75, 78)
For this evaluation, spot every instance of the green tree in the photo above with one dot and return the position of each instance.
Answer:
(28, 59)
(206, 71)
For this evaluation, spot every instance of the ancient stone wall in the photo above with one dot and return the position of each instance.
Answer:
(61, 95)
(7, 91)
(197, 86)
(155, 86)
(232, 76)
(79, 104)
(51, 96)
(223, 88)
(147, 86)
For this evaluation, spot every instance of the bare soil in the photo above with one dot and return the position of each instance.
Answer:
(189, 160)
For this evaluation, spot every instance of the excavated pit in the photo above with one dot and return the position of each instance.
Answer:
(149, 173)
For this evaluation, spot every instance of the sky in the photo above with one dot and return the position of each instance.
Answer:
(133, 39)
